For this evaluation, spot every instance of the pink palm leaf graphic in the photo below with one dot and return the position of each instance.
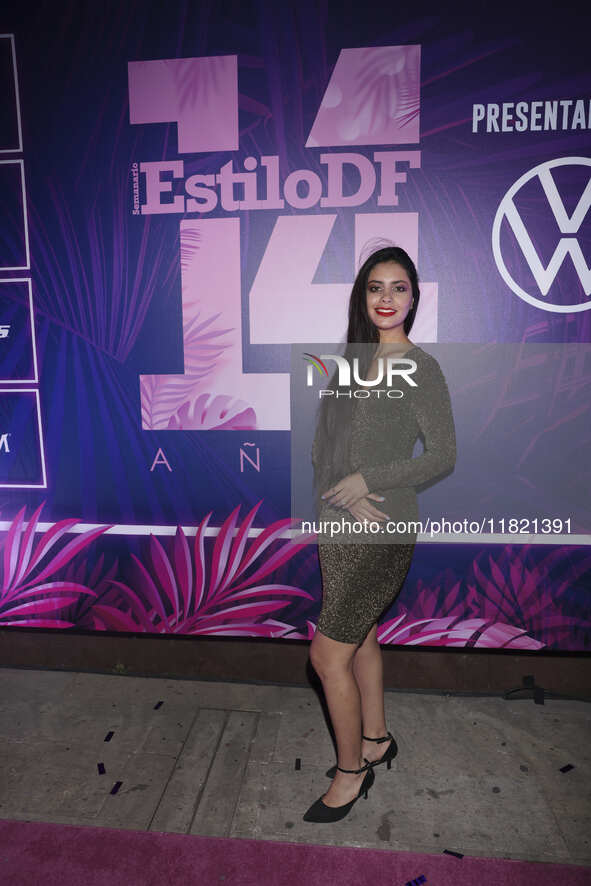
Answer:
(532, 593)
(450, 631)
(500, 588)
(213, 412)
(19, 561)
(453, 631)
(179, 592)
(100, 581)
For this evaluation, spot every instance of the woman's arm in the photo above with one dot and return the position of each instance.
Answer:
(432, 407)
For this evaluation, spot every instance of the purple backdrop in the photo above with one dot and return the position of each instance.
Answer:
(187, 190)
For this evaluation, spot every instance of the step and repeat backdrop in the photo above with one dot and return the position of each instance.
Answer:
(187, 192)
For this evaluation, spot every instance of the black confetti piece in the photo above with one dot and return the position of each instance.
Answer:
(567, 768)
(109, 736)
(101, 768)
(298, 763)
(156, 706)
(456, 854)
(116, 787)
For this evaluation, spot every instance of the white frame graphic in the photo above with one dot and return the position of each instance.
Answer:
(17, 96)
(42, 485)
(20, 381)
(26, 267)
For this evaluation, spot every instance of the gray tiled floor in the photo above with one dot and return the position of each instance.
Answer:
(479, 775)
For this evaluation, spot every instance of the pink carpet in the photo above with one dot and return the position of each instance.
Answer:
(33, 853)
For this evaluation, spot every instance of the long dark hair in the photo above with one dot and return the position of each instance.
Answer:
(333, 426)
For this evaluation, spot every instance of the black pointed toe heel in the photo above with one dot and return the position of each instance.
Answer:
(320, 812)
(387, 757)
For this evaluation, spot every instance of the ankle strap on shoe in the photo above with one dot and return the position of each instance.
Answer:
(387, 737)
(368, 765)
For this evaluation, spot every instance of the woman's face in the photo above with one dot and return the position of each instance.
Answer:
(389, 297)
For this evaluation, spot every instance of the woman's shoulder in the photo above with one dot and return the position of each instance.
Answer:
(428, 367)
(421, 356)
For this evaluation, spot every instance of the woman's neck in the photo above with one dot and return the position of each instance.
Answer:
(386, 347)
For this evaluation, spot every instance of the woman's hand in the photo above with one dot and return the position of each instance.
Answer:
(364, 510)
(347, 491)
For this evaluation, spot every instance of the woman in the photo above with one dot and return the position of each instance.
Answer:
(362, 454)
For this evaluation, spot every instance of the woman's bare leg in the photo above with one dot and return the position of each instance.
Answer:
(368, 670)
(333, 662)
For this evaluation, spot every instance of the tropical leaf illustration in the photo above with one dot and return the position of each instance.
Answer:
(532, 593)
(453, 631)
(506, 599)
(190, 244)
(202, 353)
(209, 412)
(182, 591)
(386, 89)
(88, 282)
(161, 395)
(25, 593)
(434, 632)
(194, 81)
(100, 581)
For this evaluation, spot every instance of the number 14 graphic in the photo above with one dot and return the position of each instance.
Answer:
(283, 305)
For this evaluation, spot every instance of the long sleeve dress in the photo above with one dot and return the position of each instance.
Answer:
(363, 572)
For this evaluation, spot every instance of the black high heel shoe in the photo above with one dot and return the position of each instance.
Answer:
(387, 757)
(320, 812)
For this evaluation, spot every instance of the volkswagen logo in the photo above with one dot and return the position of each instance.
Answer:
(564, 226)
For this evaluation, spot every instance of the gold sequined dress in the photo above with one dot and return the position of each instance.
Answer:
(363, 572)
